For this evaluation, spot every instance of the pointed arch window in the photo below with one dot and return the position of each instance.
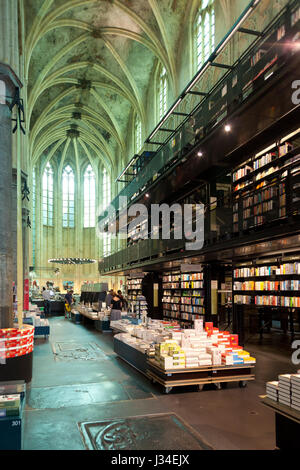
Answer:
(106, 201)
(163, 92)
(68, 193)
(204, 32)
(48, 196)
(89, 189)
(137, 134)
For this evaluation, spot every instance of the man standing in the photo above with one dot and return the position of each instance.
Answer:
(46, 294)
(68, 303)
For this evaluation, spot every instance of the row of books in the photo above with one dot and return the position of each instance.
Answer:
(288, 285)
(171, 278)
(259, 271)
(171, 300)
(192, 293)
(192, 309)
(192, 300)
(183, 316)
(262, 161)
(176, 293)
(192, 285)
(134, 284)
(192, 277)
(171, 285)
(268, 300)
(295, 16)
(171, 307)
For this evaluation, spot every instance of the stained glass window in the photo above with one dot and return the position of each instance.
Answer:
(204, 32)
(105, 203)
(163, 92)
(138, 134)
(89, 189)
(48, 195)
(68, 190)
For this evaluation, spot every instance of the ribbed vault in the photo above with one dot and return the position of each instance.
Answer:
(89, 64)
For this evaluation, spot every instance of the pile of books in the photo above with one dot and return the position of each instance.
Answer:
(286, 390)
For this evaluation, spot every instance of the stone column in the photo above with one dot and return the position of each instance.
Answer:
(8, 82)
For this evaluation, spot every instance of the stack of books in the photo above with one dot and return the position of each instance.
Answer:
(272, 390)
(284, 389)
(295, 392)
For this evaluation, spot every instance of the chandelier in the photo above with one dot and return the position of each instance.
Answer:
(72, 261)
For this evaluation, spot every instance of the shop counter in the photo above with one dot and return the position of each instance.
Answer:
(287, 425)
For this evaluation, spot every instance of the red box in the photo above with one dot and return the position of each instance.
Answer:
(234, 340)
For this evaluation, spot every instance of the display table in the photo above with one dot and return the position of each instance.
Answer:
(103, 326)
(131, 355)
(287, 425)
(11, 427)
(57, 307)
(16, 350)
(199, 376)
(76, 316)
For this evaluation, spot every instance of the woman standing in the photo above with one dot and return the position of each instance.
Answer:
(116, 307)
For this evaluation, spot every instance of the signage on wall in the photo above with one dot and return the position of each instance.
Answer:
(67, 285)
(26, 295)
(191, 268)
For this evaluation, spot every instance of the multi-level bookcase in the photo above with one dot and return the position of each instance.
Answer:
(263, 185)
(275, 284)
(183, 296)
(134, 289)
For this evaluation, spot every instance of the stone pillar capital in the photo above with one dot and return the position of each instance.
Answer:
(8, 82)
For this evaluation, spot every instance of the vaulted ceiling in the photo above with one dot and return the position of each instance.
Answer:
(88, 64)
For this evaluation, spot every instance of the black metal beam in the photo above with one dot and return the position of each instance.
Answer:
(165, 129)
(154, 143)
(250, 31)
(222, 66)
(180, 114)
(200, 93)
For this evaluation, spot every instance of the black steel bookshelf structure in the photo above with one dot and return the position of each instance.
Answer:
(248, 178)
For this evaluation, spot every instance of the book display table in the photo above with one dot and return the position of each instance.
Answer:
(287, 425)
(218, 375)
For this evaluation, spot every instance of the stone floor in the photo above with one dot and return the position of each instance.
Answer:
(83, 396)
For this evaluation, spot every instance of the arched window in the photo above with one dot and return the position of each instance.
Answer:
(137, 134)
(106, 196)
(68, 192)
(204, 33)
(48, 195)
(33, 215)
(106, 201)
(89, 190)
(163, 92)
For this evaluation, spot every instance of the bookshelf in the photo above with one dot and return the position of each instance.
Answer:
(274, 284)
(260, 186)
(134, 289)
(183, 296)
